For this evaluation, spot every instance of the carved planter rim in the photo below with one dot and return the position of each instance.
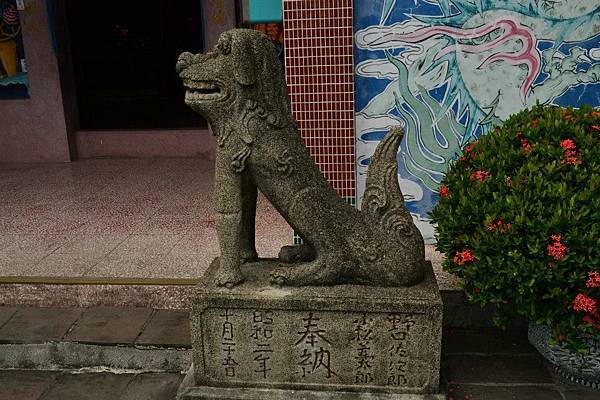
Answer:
(578, 368)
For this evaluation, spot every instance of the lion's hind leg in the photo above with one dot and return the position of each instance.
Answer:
(297, 253)
(318, 272)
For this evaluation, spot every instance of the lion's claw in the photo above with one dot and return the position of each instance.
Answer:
(228, 276)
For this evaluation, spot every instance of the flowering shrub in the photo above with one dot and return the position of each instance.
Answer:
(519, 220)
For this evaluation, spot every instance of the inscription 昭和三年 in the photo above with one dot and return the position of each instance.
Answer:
(262, 333)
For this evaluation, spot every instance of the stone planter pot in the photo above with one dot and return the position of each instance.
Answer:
(583, 369)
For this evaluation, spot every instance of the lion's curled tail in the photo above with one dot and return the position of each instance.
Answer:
(383, 201)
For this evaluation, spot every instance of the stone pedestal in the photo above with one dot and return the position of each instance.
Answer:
(256, 341)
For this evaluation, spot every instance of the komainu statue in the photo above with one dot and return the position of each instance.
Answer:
(239, 87)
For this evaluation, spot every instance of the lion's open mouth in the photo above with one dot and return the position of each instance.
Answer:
(202, 90)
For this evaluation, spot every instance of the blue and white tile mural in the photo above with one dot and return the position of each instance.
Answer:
(451, 70)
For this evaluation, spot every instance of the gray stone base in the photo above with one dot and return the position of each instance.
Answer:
(344, 339)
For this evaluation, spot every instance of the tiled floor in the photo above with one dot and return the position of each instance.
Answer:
(116, 218)
(121, 218)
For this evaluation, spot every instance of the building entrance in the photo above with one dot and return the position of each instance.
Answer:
(124, 57)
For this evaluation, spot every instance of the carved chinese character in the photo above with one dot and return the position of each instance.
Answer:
(311, 331)
(261, 334)
(399, 330)
(228, 342)
(313, 358)
(363, 335)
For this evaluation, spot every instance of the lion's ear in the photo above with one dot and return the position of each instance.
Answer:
(242, 49)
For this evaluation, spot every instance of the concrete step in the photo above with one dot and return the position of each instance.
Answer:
(124, 338)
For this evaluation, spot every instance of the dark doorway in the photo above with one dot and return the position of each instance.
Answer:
(124, 56)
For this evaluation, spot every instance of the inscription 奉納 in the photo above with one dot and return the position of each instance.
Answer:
(314, 356)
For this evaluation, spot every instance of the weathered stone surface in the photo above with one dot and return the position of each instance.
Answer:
(341, 338)
(239, 88)
(464, 368)
(101, 386)
(6, 313)
(167, 328)
(487, 341)
(38, 325)
(581, 394)
(17, 385)
(109, 325)
(487, 392)
(152, 386)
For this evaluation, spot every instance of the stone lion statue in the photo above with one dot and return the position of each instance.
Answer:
(239, 87)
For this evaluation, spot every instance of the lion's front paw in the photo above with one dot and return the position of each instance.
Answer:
(228, 276)
(248, 255)
(279, 277)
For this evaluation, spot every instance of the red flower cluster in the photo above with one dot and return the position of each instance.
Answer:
(593, 280)
(594, 114)
(568, 144)
(556, 249)
(570, 152)
(595, 322)
(527, 147)
(468, 153)
(464, 257)
(479, 175)
(499, 225)
(596, 127)
(444, 192)
(588, 304)
(585, 303)
(468, 150)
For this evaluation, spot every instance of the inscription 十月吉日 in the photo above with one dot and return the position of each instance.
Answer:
(228, 344)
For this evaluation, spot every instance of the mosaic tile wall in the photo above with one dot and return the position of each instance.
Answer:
(320, 77)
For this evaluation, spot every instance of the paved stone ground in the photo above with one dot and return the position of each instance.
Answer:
(489, 364)
(54, 385)
(477, 364)
(96, 325)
